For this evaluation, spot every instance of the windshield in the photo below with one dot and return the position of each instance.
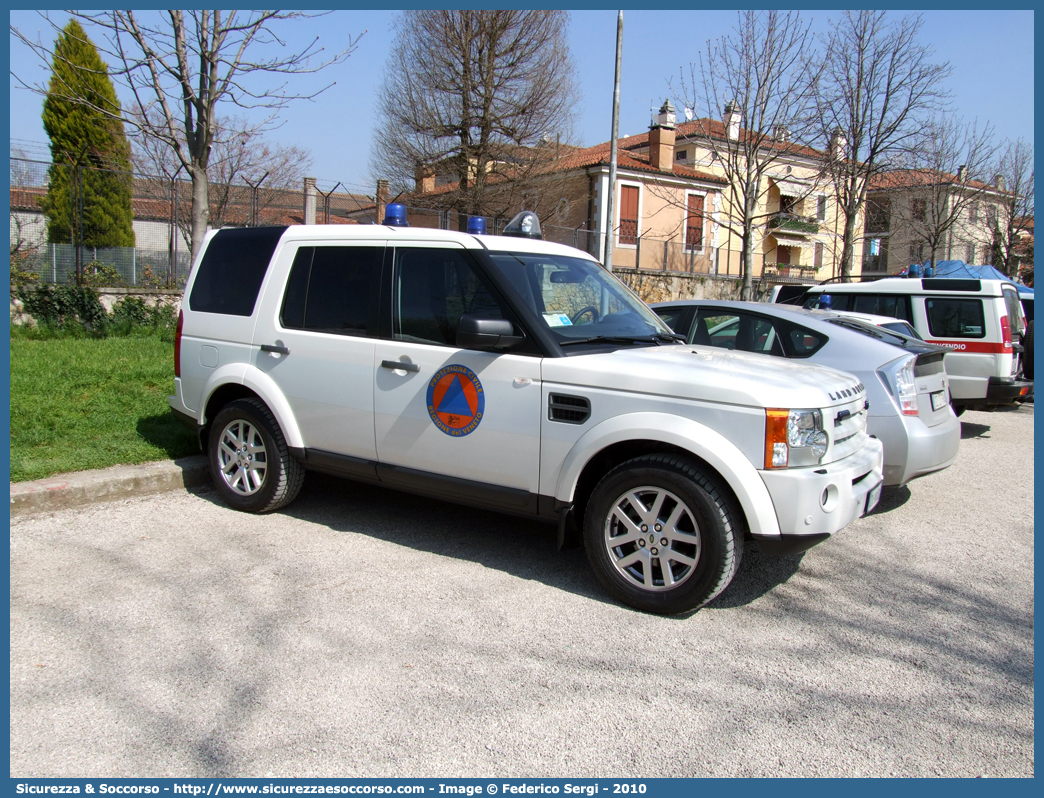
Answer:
(580, 302)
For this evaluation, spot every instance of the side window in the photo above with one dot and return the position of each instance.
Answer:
(864, 303)
(802, 342)
(334, 290)
(737, 331)
(955, 318)
(829, 301)
(232, 270)
(716, 329)
(758, 335)
(896, 306)
(676, 318)
(433, 288)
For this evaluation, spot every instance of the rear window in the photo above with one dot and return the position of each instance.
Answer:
(955, 318)
(232, 270)
(1011, 302)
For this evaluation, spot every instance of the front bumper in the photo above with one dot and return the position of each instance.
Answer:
(798, 493)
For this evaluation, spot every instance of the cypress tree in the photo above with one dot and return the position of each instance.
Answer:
(82, 118)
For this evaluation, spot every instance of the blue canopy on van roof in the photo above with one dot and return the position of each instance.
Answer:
(958, 268)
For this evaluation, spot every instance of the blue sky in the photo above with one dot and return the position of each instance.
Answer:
(991, 53)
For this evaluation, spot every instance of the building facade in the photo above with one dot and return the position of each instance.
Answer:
(672, 209)
(915, 214)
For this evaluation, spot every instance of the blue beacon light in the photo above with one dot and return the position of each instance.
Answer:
(477, 225)
(395, 215)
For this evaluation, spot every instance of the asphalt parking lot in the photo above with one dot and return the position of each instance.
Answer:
(365, 633)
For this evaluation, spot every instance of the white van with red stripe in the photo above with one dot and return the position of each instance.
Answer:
(977, 319)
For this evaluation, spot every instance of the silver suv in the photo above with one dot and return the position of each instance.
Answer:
(510, 373)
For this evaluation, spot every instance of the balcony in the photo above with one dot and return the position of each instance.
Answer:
(793, 222)
(775, 270)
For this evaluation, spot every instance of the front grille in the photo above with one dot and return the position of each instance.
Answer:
(568, 409)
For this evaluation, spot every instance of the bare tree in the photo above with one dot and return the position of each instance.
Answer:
(247, 172)
(178, 66)
(483, 97)
(878, 82)
(944, 172)
(758, 74)
(1013, 174)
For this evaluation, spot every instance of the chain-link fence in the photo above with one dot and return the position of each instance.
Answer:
(61, 213)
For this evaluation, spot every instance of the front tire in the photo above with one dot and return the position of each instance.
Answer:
(661, 536)
(250, 463)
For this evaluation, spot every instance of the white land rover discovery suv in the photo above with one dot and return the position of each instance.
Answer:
(510, 373)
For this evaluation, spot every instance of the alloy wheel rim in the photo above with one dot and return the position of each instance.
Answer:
(242, 457)
(652, 538)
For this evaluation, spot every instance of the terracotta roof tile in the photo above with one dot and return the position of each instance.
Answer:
(911, 178)
(715, 129)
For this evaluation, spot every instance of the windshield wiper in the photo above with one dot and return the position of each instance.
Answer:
(675, 337)
(619, 339)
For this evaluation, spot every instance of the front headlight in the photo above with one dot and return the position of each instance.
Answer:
(794, 437)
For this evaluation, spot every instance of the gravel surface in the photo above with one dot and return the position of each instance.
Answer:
(365, 633)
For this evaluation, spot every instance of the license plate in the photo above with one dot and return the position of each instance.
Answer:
(873, 497)
(938, 400)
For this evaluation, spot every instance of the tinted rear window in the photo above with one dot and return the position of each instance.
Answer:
(955, 318)
(1011, 304)
(232, 270)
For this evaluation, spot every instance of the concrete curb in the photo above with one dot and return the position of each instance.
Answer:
(86, 487)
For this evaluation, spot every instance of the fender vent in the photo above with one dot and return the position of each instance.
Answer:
(568, 409)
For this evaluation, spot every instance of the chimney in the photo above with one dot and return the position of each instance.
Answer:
(382, 198)
(998, 182)
(425, 177)
(309, 200)
(732, 120)
(781, 133)
(962, 173)
(661, 139)
(838, 144)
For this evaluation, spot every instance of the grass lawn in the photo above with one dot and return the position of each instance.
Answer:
(79, 403)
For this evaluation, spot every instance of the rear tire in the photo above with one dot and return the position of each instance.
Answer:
(250, 463)
(661, 536)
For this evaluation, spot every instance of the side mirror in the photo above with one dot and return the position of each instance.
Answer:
(475, 332)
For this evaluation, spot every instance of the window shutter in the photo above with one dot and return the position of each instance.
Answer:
(629, 215)
(694, 223)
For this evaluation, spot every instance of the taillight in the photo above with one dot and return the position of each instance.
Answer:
(898, 378)
(1006, 334)
(177, 344)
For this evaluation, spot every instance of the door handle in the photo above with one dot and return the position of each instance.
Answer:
(396, 365)
(276, 348)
